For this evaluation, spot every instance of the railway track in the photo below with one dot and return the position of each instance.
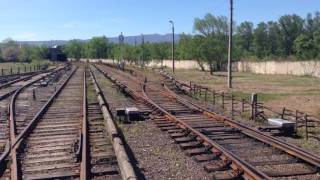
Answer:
(68, 137)
(6, 91)
(227, 149)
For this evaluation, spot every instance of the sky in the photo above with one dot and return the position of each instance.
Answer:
(34, 20)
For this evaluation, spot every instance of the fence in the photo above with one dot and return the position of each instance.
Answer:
(248, 108)
(19, 70)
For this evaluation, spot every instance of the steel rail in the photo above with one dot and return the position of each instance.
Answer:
(84, 173)
(251, 132)
(16, 143)
(240, 165)
(11, 118)
(126, 169)
(254, 133)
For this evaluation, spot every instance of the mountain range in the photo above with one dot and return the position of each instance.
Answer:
(151, 38)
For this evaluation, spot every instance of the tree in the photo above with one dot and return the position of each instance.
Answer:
(75, 49)
(260, 40)
(274, 36)
(291, 26)
(316, 37)
(305, 47)
(98, 47)
(214, 40)
(10, 50)
(245, 33)
(160, 51)
(25, 53)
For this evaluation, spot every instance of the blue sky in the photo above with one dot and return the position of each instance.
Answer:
(68, 19)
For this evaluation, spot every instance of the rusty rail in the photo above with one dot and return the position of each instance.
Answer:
(84, 144)
(254, 133)
(12, 120)
(16, 141)
(126, 169)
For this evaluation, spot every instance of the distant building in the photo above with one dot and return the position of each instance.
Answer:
(56, 53)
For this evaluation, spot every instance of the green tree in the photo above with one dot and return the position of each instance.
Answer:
(260, 40)
(160, 51)
(245, 33)
(304, 47)
(291, 26)
(214, 40)
(98, 47)
(75, 49)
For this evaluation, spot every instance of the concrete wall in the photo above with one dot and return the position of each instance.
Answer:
(311, 68)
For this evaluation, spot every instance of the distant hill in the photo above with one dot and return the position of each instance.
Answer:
(152, 38)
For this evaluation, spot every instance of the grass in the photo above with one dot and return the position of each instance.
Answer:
(6, 66)
(294, 92)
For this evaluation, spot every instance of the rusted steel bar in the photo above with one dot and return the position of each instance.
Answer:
(15, 173)
(84, 174)
(256, 134)
(126, 170)
(247, 168)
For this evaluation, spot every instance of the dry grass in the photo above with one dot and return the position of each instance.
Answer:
(293, 92)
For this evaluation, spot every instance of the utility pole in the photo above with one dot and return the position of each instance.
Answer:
(142, 49)
(121, 42)
(173, 68)
(230, 46)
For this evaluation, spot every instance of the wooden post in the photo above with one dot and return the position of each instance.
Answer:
(232, 106)
(254, 99)
(283, 111)
(242, 106)
(2, 72)
(213, 97)
(306, 123)
(222, 99)
(205, 95)
(296, 128)
(25, 68)
(11, 71)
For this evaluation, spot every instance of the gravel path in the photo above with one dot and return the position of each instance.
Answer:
(157, 155)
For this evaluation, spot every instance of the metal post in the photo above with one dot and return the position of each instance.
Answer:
(173, 65)
(230, 46)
